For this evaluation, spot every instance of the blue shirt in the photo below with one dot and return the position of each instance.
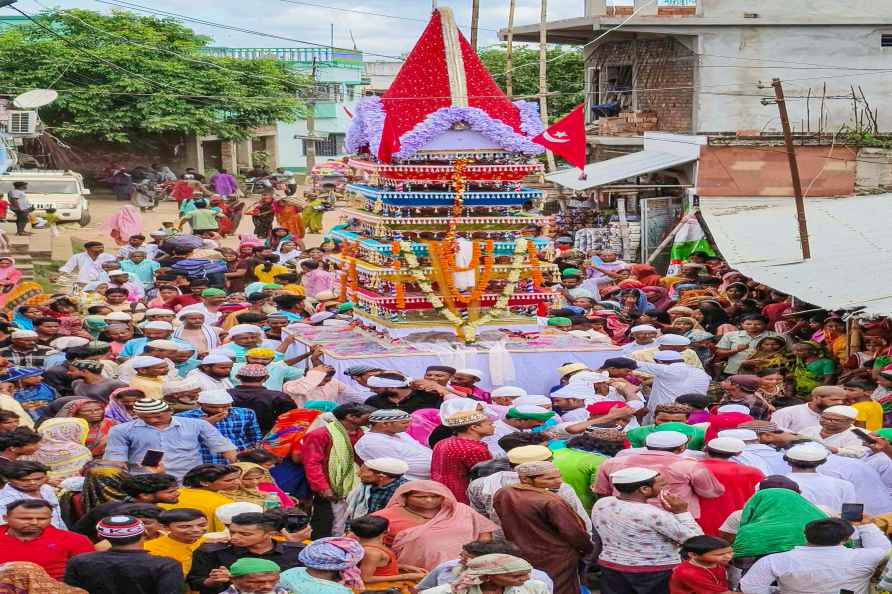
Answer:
(278, 371)
(181, 442)
(239, 426)
(135, 346)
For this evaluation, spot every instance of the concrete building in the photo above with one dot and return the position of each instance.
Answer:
(701, 65)
(378, 76)
(339, 76)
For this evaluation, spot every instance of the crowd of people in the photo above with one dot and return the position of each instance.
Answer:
(162, 431)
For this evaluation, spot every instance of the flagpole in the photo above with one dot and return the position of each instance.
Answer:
(543, 71)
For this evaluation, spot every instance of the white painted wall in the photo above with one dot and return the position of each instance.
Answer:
(805, 58)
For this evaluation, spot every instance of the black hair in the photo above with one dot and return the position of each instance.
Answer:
(700, 545)
(269, 523)
(392, 375)
(495, 546)
(713, 316)
(198, 282)
(860, 382)
(694, 400)
(352, 409)
(717, 454)
(250, 317)
(183, 514)
(146, 484)
(19, 185)
(28, 504)
(369, 526)
(828, 532)
(255, 297)
(309, 264)
(579, 320)
(585, 442)
(632, 487)
(287, 301)
(766, 371)
(94, 308)
(44, 320)
(149, 511)
(753, 316)
(117, 290)
(7, 415)
(443, 368)
(803, 463)
(286, 278)
(18, 470)
(18, 437)
(208, 473)
(517, 439)
(619, 363)
(257, 456)
(92, 244)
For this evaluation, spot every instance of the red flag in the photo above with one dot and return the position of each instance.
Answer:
(566, 137)
(390, 142)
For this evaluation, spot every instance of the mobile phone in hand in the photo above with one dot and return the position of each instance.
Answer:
(863, 435)
(852, 512)
(152, 458)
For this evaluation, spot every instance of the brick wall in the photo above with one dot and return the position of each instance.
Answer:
(677, 11)
(664, 77)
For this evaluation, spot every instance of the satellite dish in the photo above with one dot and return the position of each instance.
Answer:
(36, 98)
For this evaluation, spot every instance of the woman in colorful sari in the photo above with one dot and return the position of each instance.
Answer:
(771, 352)
(9, 274)
(256, 484)
(287, 251)
(288, 215)
(428, 526)
(645, 274)
(93, 413)
(263, 214)
(62, 448)
(773, 521)
(811, 368)
(102, 483)
(121, 402)
(835, 340)
(22, 577)
(312, 215)
(25, 315)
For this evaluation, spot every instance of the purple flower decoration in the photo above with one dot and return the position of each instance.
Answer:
(530, 121)
(367, 126)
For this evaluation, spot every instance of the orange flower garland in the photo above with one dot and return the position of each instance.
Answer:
(536, 270)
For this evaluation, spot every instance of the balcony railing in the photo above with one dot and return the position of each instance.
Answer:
(295, 55)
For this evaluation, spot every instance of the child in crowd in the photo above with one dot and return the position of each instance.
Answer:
(705, 569)
(379, 566)
(30, 390)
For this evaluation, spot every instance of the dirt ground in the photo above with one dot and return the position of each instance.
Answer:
(103, 206)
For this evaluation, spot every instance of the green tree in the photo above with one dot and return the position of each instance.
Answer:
(565, 75)
(121, 77)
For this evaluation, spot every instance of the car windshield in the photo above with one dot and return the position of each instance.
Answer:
(41, 186)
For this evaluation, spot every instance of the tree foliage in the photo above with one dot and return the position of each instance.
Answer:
(565, 75)
(138, 90)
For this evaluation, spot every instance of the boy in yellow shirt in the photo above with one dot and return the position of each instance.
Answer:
(185, 528)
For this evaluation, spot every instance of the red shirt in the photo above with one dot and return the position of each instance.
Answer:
(183, 301)
(51, 550)
(740, 483)
(691, 579)
(315, 449)
(453, 459)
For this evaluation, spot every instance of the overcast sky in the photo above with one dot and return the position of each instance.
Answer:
(301, 20)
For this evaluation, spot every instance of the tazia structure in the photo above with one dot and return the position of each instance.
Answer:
(441, 232)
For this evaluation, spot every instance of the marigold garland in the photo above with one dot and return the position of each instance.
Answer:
(535, 265)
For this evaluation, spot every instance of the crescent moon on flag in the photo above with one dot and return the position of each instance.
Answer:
(547, 136)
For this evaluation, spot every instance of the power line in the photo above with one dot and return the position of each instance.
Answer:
(368, 13)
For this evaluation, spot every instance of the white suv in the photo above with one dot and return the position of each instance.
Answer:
(62, 190)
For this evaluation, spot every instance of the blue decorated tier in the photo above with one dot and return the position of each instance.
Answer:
(421, 199)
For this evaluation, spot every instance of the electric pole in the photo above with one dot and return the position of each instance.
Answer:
(509, 52)
(475, 21)
(543, 74)
(794, 167)
(311, 124)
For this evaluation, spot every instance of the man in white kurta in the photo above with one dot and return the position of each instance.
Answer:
(387, 438)
(672, 378)
(796, 418)
(834, 431)
(826, 491)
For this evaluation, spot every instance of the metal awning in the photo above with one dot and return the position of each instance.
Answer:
(661, 151)
(849, 238)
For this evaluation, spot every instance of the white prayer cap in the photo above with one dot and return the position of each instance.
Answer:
(808, 452)
(531, 409)
(244, 329)
(571, 368)
(533, 400)
(143, 361)
(673, 340)
(185, 385)
(668, 356)
(68, 342)
(214, 397)
(843, 411)
(741, 434)
(73, 484)
(666, 439)
(215, 359)
(729, 445)
(580, 293)
(166, 345)
(227, 511)
(472, 372)
(158, 326)
(376, 381)
(23, 334)
(508, 392)
(733, 408)
(158, 311)
(590, 377)
(578, 391)
(632, 475)
(320, 317)
(392, 466)
(118, 316)
(643, 328)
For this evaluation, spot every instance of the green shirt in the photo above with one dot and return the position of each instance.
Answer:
(202, 219)
(579, 469)
(638, 436)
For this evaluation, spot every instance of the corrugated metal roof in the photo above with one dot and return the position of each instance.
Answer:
(850, 243)
(617, 169)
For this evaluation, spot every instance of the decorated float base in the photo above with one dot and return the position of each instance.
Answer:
(528, 359)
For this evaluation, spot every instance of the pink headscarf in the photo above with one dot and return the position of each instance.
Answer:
(440, 538)
(11, 274)
(123, 224)
(423, 423)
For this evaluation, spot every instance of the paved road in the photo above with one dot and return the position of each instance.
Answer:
(103, 207)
